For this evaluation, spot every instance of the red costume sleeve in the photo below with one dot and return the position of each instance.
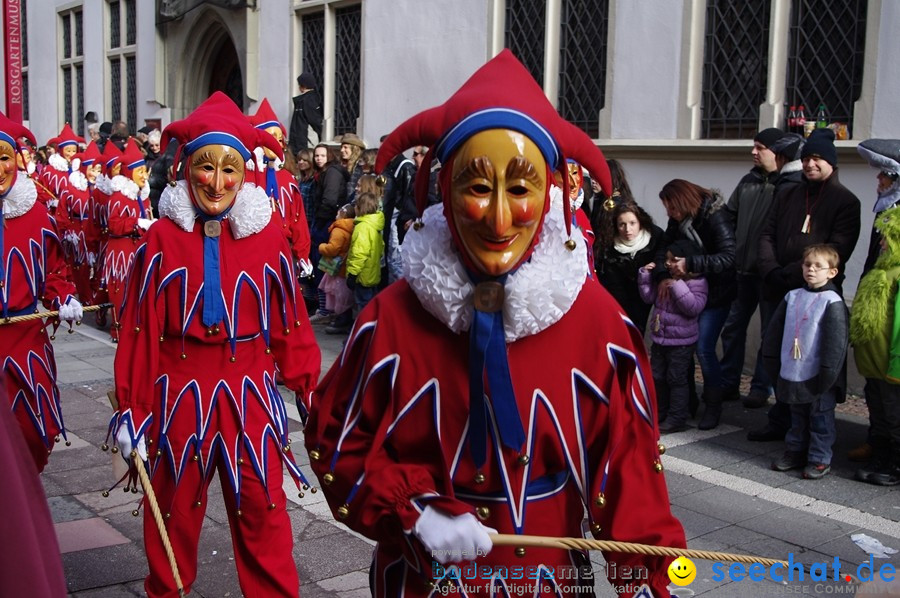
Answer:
(300, 240)
(138, 354)
(122, 216)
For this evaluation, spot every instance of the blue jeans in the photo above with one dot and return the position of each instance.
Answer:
(363, 295)
(734, 336)
(812, 429)
(711, 321)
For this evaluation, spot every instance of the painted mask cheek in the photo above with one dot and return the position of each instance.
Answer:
(203, 177)
(232, 181)
(473, 208)
(523, 212)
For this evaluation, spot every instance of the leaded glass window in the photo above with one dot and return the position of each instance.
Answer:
(115, 31)
(734, 68)
(347, 69)
(825, 57)
(115, 84)
(314, 46)
(582, 62)
(526, 22)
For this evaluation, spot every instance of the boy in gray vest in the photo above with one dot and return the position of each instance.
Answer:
(804, 350)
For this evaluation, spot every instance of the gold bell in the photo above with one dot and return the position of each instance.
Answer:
(479, 478)
(596, 528)
(343, 511)
(571, 245)
(134, 489)
(137, 328)
(327, 478)
(68, 443)
(268, 351)
(297, 323)
(240, 461)
(52, 336)
(523, 459)
(114, 450)
(195, 458)
(657, 466)
(104, 447)
(56, 439)
(161, 338)
(306, 486)
(158, 453)
(600, 500)
(287, 330)
(167, 515)
(105, 494)
(198, 504)
(232, 359)
(271, 506)
(300, 494)
(314, 455)
(135, 512)
(520, 551)
(313, 489)
(482, 513)
(183, 356)
(418, 224)
(661, 448)
(285, 449)
(238, 512)
(380, 180)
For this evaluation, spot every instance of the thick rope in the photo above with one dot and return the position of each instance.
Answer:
(158, 518)
(629, 547)
(50, 314)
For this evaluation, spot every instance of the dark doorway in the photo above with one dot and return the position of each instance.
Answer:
(226, 73)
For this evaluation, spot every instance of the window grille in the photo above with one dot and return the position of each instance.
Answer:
(115, 32)
(347, 69)
(526, 21)
(734, 68)
(131, 89)
(79, 34)
(825, 57)
(67, 36)
(582, 64)
(79, 99)
(130, 23)
(115, 84)
(67, 93)
(314, 47)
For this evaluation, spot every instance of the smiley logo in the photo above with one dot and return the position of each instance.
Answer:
(682, 571)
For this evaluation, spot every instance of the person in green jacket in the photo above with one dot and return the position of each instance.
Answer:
(366, 250)
(875, 324)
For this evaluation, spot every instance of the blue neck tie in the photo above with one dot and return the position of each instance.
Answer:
(487, 357)
(3, 285)
(213, 304)
(271, 181)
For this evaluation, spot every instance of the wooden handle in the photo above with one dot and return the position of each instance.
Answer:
(629, 547)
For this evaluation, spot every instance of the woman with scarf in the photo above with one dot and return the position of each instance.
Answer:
(634, 241)
(696, 214)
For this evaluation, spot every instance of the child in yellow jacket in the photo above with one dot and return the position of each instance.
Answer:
(338, 297)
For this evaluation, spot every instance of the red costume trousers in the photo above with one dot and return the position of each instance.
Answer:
(261, 535)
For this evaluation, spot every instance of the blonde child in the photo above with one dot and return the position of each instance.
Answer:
(338, 297)
(674, 329)
(366, 250)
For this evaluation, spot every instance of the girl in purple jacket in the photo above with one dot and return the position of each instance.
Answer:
(677, 303)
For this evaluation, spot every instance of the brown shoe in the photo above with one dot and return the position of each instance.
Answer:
(861, 454)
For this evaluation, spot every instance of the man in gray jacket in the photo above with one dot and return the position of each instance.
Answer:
(749, 205)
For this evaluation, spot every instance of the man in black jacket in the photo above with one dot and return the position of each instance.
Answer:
(748, 206)
(819, 209)
(307, 115)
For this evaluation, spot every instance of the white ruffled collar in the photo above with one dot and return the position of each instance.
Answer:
(128, 187)
(249, 215)
(20, 198)
(58, 162)
(104, 184)
(538, 294)
(78, 180)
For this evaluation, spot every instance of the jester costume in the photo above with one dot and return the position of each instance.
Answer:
(195, 376)
(416, 415)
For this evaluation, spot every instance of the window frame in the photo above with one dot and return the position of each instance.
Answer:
(73, 103)
(123, 52)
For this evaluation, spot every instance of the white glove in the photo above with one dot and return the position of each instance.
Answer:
(452, 539)
(52, 203)
(71, 310)
(144, 223)
(123, 440)
(306, 268)
(91, 258)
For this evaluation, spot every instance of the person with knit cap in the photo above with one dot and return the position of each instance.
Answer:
(282, 189)
(32, 271)
(128, 217)
(748, 206)
(875, 321)
(446, 419)
(306, 120)
(817, 210)
(210, 319)
(74, 219)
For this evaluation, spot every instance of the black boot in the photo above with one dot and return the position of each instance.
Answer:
(883, 470)
(713, 399)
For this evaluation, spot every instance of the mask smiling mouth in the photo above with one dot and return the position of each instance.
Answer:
(495, 244)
